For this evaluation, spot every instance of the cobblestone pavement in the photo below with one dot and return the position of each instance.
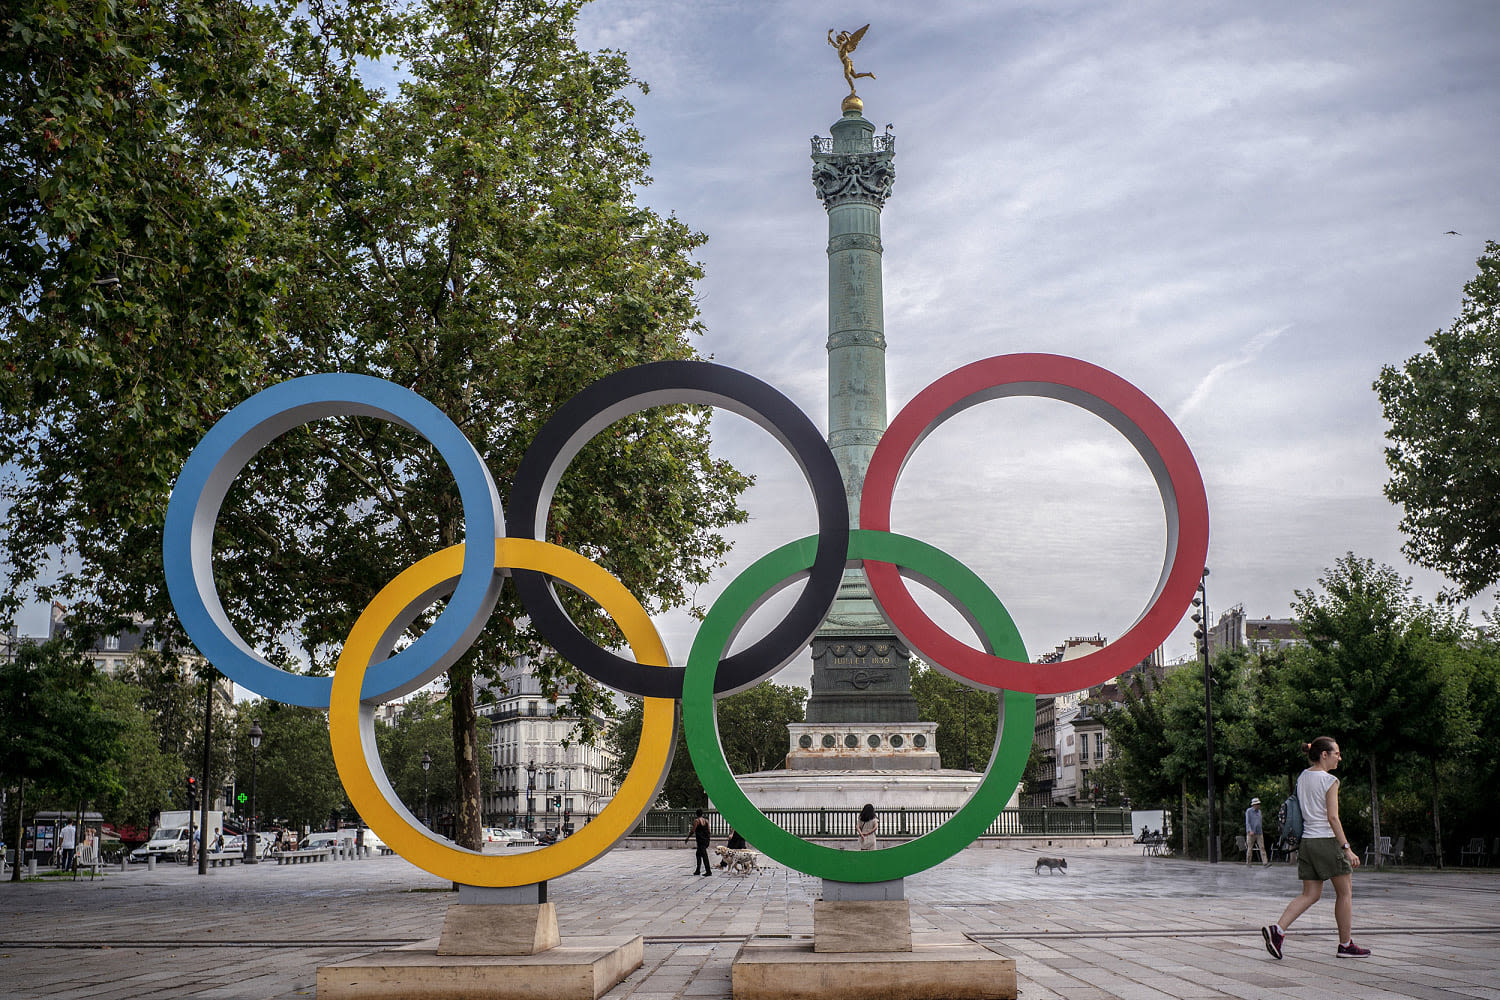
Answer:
(1116, 926)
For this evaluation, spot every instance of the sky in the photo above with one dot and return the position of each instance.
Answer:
(1242, 209)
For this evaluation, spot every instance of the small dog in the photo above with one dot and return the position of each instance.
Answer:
(1052, 865)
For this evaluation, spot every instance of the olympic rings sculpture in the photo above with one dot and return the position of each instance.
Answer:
(471, 574)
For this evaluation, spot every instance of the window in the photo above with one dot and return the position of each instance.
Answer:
(112, 642)
(531, 708)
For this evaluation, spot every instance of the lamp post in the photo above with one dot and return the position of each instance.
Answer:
(1201, 634)
(252, 839)
(530, 792)
(426, 801)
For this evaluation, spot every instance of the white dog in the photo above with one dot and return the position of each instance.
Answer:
(738, 862)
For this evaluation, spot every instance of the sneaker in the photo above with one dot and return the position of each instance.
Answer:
(1274, 938)
(1352, 950)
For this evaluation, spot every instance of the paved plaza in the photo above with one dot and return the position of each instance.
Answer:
(1117, 925)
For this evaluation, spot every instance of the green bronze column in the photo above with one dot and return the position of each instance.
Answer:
(861, 680)
(853, 172)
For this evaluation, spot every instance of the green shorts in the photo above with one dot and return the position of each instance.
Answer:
(1320, 858)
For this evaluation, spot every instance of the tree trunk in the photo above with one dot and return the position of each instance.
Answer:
(467, 820)
(1437, 820)
(1374, 812)
(15, 872)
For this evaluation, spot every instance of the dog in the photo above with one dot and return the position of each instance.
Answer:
(738, 862)
(1052, 865)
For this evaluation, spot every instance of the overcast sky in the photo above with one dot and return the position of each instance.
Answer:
(1241, 209)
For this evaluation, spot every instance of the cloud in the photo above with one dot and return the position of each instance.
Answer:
(1246, 354)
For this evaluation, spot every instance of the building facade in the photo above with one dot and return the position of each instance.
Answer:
(543, 779)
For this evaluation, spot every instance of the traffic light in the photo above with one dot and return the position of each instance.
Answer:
(192, 792)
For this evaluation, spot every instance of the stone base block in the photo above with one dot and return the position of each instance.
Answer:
(841, 926)
(499, 929)
(938, 966)
(582, 968)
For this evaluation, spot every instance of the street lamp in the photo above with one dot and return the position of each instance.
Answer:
(530, 793)
(251, 840)
(426, 802)
(1201, 634)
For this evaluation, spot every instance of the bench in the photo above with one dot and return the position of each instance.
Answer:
(298, 857)
(385, 851)
(1475, 850)
(224, 860)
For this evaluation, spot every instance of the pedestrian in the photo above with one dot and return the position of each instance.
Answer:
(699, 831)
(867, 828)
(1324, 853)
(1254, 836)
(67, 843)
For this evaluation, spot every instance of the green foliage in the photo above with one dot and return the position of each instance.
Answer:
(426, 724)
(1410, 691)
(56, 735)
(1443, 406)
(752, 730)
(967, 719)
(148, 775)
(213, 182)
(296, 780)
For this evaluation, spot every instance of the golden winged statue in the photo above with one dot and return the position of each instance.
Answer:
(846, 44)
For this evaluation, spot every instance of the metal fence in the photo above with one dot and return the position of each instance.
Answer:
(1025, 821)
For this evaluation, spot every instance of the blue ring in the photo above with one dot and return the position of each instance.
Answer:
(187, 546)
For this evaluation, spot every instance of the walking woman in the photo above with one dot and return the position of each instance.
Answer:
(1323, 853)
(867, 828)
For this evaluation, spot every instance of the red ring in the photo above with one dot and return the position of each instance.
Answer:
(1129, 411)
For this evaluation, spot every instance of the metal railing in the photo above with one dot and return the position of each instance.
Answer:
(1023, 821)
(884, 143)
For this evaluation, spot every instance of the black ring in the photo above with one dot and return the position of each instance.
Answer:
(658, 384)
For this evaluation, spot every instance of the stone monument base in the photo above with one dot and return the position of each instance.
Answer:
(938, 966)
(581, 968)
(889, 791)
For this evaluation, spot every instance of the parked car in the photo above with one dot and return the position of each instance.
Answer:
(166, 844)
(518, 838)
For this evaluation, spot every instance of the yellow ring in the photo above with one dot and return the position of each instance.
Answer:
(351, 723)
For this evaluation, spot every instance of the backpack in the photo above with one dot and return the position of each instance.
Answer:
(1290, 818)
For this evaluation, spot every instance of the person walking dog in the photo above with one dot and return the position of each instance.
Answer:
(1324, 853)
(699, 831)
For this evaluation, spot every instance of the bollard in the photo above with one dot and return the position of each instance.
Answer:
(31, 868)
(151, 862)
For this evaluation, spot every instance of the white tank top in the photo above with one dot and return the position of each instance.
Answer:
(1312, 796)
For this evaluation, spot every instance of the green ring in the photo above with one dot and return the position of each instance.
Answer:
(971, 596)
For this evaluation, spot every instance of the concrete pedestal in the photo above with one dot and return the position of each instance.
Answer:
(582, 968)
(497, 944)
(938, 966)
(511, 929)
(864, 926)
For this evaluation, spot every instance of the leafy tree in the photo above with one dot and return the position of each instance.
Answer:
(752, 725)
(297, 782)
(124, 243)
(752, 730)
(54, 734)
(425, 725)
(212, 181)
(681, 789)
(1364, 676)
(1443, 406)
(148, 775)
(967, 718)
